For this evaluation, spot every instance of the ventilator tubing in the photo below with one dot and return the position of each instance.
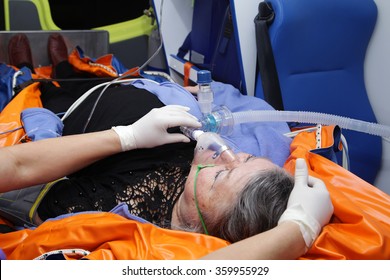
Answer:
(292, 116)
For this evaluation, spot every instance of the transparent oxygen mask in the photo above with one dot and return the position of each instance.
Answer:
(210, 148)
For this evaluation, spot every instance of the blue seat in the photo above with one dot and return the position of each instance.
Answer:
(319, 48)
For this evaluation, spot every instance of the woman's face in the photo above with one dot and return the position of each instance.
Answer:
(217, 187)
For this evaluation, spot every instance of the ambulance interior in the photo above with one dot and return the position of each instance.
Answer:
(328, 81)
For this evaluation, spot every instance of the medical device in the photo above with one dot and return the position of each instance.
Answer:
(205, 94)
(222, 120)
(210, 147)
(219, 121)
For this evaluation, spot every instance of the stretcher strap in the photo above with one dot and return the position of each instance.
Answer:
(318, 136)
(63, 252)
(265, 57)
(187, 69)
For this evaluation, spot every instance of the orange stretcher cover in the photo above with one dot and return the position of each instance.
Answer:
(29, 97)
(359, 229)
(101, 67)
(108, 236)
(360, 226)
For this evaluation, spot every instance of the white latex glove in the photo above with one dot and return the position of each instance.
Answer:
(151, 130)
(309, 204)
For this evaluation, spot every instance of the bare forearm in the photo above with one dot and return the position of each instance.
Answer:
(42, 161)
(284, 242)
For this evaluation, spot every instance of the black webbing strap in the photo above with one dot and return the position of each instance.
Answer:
(265, 57)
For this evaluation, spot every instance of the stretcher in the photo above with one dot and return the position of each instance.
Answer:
(359, 228)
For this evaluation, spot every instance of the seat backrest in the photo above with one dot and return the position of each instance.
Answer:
(212, 44)
(319, 49)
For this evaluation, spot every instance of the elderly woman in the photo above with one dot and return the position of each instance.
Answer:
(300, 224)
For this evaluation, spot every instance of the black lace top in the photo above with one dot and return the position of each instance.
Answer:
(149, 181)
(149, 194)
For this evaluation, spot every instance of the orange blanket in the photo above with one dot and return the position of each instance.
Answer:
(30, 97)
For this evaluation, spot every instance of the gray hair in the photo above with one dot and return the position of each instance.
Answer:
(258, 208)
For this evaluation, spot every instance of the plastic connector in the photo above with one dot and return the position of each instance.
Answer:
(219, 121)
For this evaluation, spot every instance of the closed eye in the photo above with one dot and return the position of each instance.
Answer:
(249, 158)
(218, 173)
(216, 177)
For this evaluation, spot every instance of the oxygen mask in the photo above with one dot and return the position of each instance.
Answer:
(210, 148)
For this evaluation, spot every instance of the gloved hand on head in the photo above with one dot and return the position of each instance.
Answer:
(309, 204)
(151, 130)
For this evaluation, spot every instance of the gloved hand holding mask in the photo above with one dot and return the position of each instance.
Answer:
(151, 130)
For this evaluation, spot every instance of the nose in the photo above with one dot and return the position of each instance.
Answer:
(229, 158)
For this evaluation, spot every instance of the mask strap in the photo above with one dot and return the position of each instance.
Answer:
(199, 167)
